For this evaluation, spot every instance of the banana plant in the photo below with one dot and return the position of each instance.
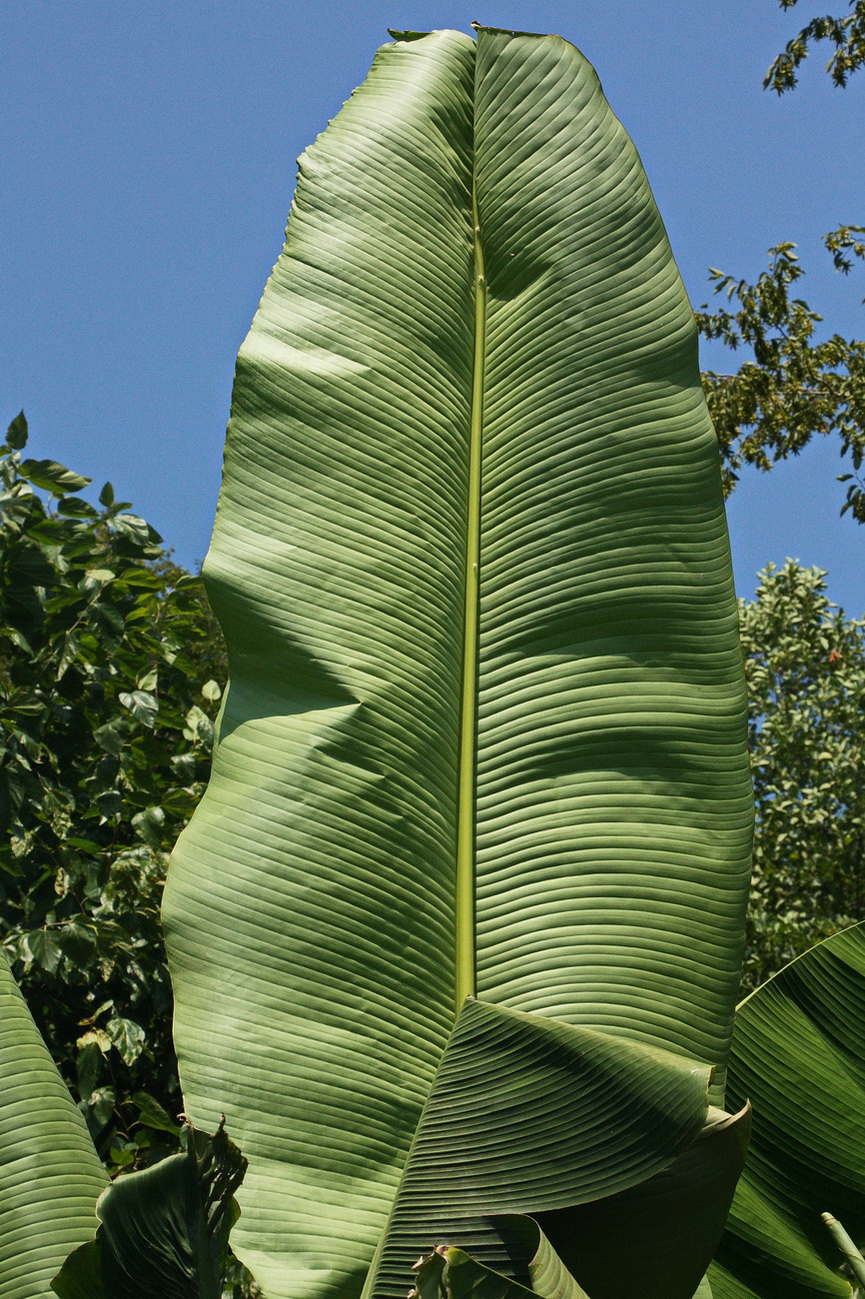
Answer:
(50, 1174)
(799, 1053)
(163, 1230)
(455, 932)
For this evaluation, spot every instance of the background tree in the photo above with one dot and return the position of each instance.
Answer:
(805, 668)
(804, 660)
(797, 385)
(110, 664)
(845, 32)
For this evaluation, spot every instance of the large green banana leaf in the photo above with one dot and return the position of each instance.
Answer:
(799, 1053)
(50, 1174)
(484, 733)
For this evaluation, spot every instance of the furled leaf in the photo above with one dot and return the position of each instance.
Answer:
(485, 727)
(549, 1277)
(163, 1230)
(799, 1053)
(452, 1274)
(50, 1176)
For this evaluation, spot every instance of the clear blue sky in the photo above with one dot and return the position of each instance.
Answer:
(148, 165)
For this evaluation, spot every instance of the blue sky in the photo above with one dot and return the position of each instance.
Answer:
(149, 161)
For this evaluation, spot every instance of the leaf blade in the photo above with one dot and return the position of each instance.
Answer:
(324, 852)
(613, 789)
(799, 1050)
(348, 681)
(528, 1115)
(50, 1176)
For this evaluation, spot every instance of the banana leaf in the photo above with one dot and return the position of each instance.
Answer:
(799, 1053)
(479, 821)
(453, 1274)
(162, 1230)
(50, 1174)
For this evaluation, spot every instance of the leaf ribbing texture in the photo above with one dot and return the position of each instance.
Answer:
(50, 1175)
(311, 904)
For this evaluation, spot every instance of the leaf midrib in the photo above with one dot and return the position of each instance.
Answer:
(465, 863)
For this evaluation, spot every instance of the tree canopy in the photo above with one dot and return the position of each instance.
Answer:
(805, 668)
(843, 33)
(800, 383)
(110, 664)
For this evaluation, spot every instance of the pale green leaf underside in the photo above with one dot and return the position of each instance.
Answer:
(310, 910)
(50, 1175)
(549, 1278)
(529, 1114)
(799, 1053)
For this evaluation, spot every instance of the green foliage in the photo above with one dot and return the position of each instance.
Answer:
(796, 386)
(335, 945)
(798, 1053)
(164, 1229)
(109, 659)
(486, 728)
(50, 1175)
(845, 32)
(453, 1274)
(805, 667)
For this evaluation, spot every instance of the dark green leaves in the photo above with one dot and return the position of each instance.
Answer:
(16, 434)
(451, 1273)
(142, 705)
(127, 1036)
(798, 385)
(845, 36)
(152, 1115)
(164, 1230)
(636, 1242)
(51, 477)
(106, 650)
(137, 531)
(805, 668)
